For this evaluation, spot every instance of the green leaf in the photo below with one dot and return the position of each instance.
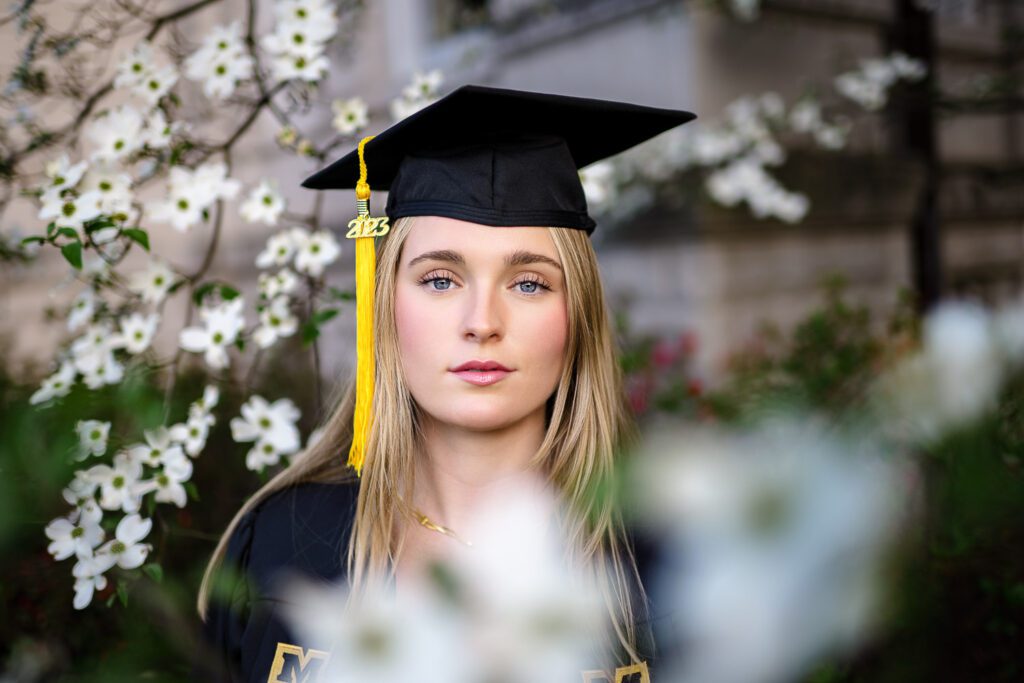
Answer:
(122, 592)
(110, 600)
(50, 229)
(202, 291)
(67, 232)
(150, 505)
(73, 253)
(192, 491)
(323, 315)
(139, 236)
(310, 331)
(227, 292)
(341, 295)
(154, 571)
(30, 240)
(240, 343)
(99, 224)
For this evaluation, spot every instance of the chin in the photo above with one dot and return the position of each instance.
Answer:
(480, 414)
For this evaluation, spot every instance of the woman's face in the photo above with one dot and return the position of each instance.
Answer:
(469, 293)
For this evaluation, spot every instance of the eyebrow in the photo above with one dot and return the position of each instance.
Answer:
(517, 258)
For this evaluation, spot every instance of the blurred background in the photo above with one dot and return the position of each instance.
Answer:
(854, 164)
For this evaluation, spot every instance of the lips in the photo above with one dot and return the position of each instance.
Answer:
(481, 366)
(481, 372)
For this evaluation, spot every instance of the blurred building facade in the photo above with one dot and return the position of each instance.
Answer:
(691, 265)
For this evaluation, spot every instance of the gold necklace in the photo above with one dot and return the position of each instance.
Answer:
(433, 526)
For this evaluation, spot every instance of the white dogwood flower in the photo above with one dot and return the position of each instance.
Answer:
(153, 283)
(88, 573)
(80, 492)
(192, 433)
(168, 482)
(279, 249)
(70, 211)
(222, 324)
(63, 175)
(190, 193)
(207, 402)
(136, 332)
(70, 537)
(273, 423)
(350, 115)
(159, 449)
(126, 549)
(92, 437)
(115, 134)
(156, 84)
(113, 186)
(82, 309)
(221, 62)
(93, 355)
(276, 321)
(283, 281)
(263, 205)
(118, 484)
(132, 70)
(314, 251)
(57, 384)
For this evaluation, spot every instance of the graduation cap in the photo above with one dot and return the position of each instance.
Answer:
(486, 155)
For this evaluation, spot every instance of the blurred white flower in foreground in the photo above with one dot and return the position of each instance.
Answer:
(506, 609)
(778, 536)
(967, 352)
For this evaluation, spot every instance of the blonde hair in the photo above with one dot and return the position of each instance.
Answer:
(589, 423)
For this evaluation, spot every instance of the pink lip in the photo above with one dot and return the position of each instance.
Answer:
(481, 372)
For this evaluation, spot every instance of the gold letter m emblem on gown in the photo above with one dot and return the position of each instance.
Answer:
(292, 664)
(635, 673)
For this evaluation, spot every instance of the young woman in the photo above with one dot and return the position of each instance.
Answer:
(494, 360)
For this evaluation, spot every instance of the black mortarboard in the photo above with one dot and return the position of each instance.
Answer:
(484, 155)
(497, 157)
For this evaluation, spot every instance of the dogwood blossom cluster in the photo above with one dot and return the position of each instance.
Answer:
(270, 427)
(190, 193)
(160, 466)
(140, 73)
(309, 252)
(869, 85)
(221, 62)
(301, 33)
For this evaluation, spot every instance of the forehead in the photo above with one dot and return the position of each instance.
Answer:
(473, 240)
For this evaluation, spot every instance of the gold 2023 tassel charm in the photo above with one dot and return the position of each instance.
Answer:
(363, 229)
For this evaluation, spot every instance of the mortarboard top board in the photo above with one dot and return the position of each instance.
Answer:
(497, 157)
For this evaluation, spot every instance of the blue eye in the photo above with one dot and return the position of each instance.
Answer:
(441, 283)
(528, 287)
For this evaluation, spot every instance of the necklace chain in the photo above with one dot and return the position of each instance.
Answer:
(426, 522)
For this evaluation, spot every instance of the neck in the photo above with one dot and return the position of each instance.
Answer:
(458, 468)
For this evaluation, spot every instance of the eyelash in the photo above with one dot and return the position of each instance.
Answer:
(436, 275)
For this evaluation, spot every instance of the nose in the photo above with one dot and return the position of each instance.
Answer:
(483, 316)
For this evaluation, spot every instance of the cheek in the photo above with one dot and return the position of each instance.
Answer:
(547, 333)
(415, 325)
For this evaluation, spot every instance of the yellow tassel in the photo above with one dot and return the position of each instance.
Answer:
(363, 229)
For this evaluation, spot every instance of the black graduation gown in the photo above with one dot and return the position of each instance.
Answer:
(304, 530)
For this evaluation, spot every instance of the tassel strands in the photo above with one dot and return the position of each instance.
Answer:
(363, 229)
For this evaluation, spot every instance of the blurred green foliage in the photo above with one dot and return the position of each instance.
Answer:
(956, 608)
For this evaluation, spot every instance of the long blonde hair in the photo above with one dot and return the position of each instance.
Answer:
(589, 423)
